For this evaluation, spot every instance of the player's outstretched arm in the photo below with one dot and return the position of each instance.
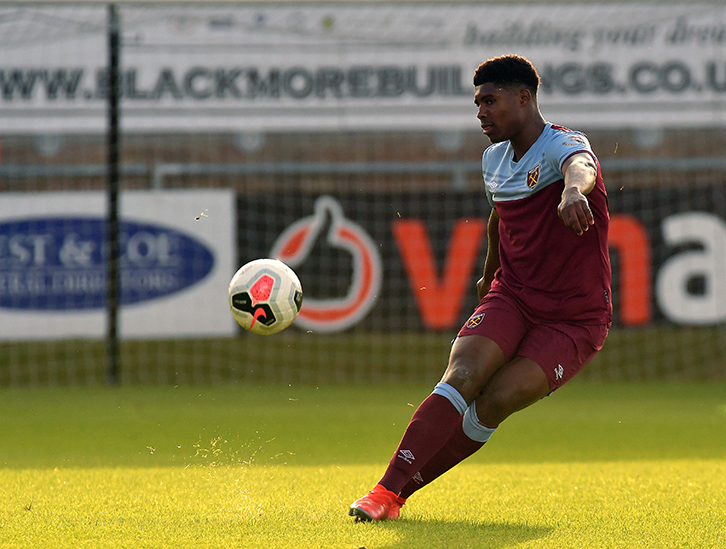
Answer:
(580, 173)
(491, 264)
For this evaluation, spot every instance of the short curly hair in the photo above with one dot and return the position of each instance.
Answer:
(508, 70)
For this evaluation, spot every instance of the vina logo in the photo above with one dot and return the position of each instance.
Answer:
(59, 263)
(293, 247)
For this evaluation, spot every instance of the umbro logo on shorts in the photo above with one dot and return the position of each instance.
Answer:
(559, 371)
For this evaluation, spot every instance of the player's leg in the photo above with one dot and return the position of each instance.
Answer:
(513, 387)
(459, 447)
(498, 326)
(517, 385)
(472, 361)
(548, 357)
(496, 329)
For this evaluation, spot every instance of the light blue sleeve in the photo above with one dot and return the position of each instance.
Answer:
(483, 176)
(563, 145)
(489, 199)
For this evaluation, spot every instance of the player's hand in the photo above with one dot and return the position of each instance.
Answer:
(482, 288)
(574, 210)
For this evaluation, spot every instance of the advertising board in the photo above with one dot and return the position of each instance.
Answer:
(667, 246)
(176, 259)
(290, 67)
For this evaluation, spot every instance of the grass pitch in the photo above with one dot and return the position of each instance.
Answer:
(594, 465)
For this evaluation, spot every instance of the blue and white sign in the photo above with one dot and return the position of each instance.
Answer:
(176, 258)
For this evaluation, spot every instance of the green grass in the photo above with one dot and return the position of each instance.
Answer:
(594, 465)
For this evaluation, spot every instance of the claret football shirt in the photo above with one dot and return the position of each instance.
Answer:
(552, 272)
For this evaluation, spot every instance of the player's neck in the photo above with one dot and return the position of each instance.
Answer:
(522, 142)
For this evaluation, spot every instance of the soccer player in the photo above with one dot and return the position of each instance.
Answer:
(544, 309)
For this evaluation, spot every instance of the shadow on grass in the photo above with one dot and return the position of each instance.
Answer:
(455, 534)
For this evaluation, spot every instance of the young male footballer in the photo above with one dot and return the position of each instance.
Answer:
(544, 309)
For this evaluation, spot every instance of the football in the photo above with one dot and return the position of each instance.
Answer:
(265, 296)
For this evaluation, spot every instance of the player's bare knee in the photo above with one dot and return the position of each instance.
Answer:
(472, 362)
(465, 378)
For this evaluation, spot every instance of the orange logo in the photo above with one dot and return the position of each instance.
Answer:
(533, 176)
(293, 247)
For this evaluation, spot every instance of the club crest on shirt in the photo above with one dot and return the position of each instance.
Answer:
(475, 320)
(533, 176)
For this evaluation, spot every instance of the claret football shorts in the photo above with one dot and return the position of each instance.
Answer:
(560, 349)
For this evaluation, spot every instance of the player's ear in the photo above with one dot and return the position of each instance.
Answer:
(525, 97)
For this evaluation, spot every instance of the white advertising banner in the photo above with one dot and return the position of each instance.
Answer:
(176, 259)
(362, 66)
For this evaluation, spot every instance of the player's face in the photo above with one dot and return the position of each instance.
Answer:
(500, 112)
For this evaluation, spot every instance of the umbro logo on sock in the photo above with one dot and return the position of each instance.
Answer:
(406, 455)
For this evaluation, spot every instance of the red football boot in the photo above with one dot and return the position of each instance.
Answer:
(375, 505)
(395, 509)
